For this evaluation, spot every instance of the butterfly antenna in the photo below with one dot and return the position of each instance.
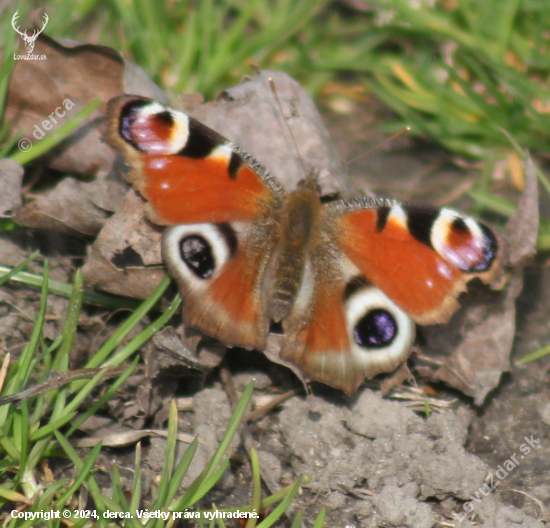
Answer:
(379, 145)
(286, 125)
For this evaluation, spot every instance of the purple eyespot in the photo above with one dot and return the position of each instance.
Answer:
(376, 329)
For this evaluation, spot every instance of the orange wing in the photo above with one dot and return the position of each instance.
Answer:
(421, 258)
(223, 209)
(188, 173)
(377, 268)
(342, 328)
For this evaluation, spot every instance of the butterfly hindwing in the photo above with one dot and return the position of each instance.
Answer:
(220, 271)
(342, 328)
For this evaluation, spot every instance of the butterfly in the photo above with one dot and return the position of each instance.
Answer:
(346, 281)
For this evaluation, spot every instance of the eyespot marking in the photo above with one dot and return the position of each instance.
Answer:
(196, 253)
(153, 128)
(468, 245)
(380, 333)
(376, 329)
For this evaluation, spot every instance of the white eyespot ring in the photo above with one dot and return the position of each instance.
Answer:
(439, 237)
(392, 331)
(217, 249)
(180, 128)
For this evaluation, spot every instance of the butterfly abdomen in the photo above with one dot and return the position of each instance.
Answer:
(300, 221)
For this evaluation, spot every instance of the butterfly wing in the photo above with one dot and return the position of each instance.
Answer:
(189, 173)
(421, 257)
(378, 269)
(342, 328)
(223, 208)
(372, 270)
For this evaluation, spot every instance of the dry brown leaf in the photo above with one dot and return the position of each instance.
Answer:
(169, 354)
(249, 116)
(11, 176)
(79, 73)
(522, 228)
(129, 437)
(43, 96)
(125, 258)
(74, 207)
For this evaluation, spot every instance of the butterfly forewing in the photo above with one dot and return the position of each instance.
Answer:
(421, 258)
(187, 172)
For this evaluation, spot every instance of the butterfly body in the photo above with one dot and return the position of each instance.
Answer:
(297, 238)
(347, 280)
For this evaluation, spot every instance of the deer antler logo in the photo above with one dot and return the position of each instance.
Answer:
(29, 40)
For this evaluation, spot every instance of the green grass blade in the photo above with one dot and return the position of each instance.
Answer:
(199, 487)
(534, 356)
(7, 64)
(524, 155)
(181, 470)
(320, 519)
(144, 336)
(132, 321)
(10, 448)
(63, 289)
(297, 521)
(83, 467)
(18, 268)
(30, 349)
(279, 511)
(61, 361)
(493, 203)
(109, 393)
(136, 488)
(169, 457)
(256, 488)
(23, 444)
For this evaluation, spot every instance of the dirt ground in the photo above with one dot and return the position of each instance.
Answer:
(371, 461)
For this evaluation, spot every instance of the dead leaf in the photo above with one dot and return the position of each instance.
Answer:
(74, 207)
(169, 354)
(522, 228)
(11, 176)
(248, 115)
(42, 97)
(40, 91)
(125, 258)
(128, 437)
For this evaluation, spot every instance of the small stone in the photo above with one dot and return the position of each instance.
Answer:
(544, 411)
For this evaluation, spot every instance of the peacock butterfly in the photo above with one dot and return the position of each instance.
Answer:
(347, 280)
